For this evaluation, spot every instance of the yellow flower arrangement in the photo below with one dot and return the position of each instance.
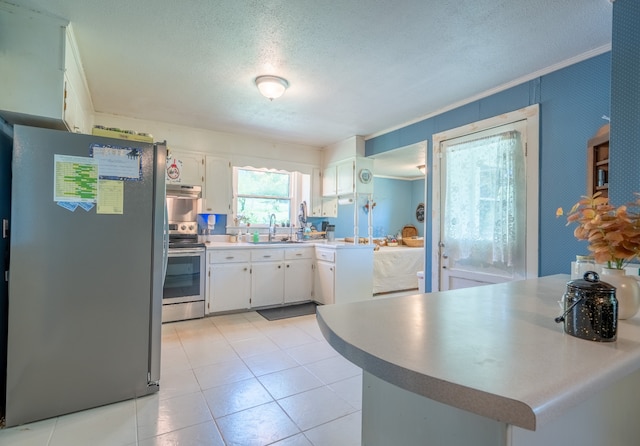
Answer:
(613, 232)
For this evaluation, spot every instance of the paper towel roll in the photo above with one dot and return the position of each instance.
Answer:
(343, 201)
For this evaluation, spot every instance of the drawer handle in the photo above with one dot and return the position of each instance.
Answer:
(299, 254)
(229, 257)
(266, 257)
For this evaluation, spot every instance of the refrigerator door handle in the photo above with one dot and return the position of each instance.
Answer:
(165, 244)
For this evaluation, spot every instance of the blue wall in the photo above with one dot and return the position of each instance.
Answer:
(572, 102)
(220, 227)
(625, 99)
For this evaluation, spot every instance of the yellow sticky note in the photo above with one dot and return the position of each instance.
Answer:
(110, 197)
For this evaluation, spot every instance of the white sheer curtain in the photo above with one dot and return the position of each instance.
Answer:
(484, 196)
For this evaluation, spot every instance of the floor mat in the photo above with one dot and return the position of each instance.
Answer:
(273, 314)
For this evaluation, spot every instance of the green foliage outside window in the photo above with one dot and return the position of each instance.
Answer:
(261, 194)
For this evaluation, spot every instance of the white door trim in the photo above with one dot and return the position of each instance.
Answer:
(531, 114)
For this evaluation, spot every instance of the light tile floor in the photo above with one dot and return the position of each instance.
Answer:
(226, 380)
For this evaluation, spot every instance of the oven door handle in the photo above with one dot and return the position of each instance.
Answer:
(185, 251)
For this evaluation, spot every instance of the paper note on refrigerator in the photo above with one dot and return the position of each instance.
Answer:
(118, 163)
(75, 178)
(110, 197)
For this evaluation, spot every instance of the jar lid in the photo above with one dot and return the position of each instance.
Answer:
(585, 258)
(591, 282)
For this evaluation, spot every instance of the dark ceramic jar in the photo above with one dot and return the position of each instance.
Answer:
(591, 309)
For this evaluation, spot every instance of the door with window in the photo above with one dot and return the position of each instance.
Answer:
(486, 207)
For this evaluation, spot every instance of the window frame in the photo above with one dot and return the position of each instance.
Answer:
(298, 191)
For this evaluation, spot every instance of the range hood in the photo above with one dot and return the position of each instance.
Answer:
(184, 191)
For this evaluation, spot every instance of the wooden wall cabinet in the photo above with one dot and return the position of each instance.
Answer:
(598, 163)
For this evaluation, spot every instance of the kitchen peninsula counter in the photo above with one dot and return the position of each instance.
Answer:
(487, 366)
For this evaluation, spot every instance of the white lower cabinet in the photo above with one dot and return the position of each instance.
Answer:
(324, 292)
(298, 274)
(343, 275)
(267, 277)
(228, 280)
(239, 279)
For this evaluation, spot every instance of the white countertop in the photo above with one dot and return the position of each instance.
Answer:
(337, 244)
(493, 350)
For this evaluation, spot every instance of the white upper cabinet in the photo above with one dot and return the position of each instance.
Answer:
(321, 205)
(345, 178)
(217, 191)
(73, 116)
(38, 61)
(185, 168)
(330, 207)
(316, 193)
(352, 176)
(329, 185)
(77, 105)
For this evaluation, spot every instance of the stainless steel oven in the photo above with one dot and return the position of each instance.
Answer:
(183, 294)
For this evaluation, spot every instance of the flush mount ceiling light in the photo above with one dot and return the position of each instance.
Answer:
(271, 87)
(422, 168)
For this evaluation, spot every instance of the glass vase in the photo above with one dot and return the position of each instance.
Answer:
(627, 291)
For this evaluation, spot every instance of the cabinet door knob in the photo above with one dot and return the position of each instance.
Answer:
(279, 266)
(288, 266)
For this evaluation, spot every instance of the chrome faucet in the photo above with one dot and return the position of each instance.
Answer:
(272, 226)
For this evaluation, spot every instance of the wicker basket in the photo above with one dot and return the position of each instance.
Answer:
(413, 242)
(408, 232)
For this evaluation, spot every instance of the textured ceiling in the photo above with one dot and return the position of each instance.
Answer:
(355, 67)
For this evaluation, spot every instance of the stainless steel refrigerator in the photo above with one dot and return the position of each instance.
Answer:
(85, 276)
